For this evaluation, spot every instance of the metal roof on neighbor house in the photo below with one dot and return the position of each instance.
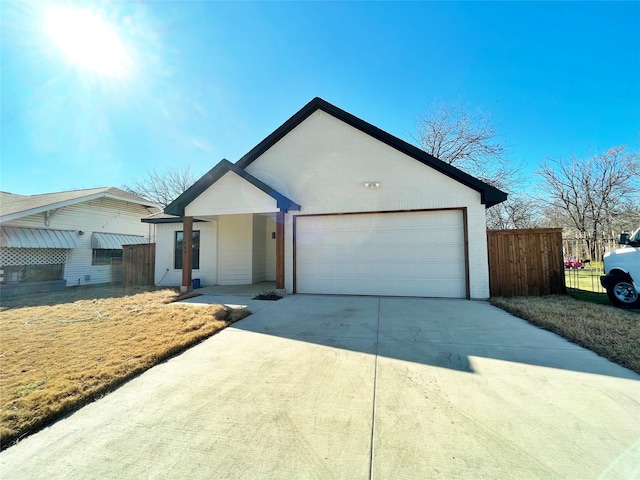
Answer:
(114, 241)
(18, 237)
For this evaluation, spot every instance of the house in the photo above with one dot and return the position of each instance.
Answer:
(331, 204)
(67, 238)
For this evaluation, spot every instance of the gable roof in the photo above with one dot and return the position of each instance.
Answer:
(14, 206)
(489, 195)
(178, 205)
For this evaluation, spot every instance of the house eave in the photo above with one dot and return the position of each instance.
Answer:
(65, 203)
(177, 207)
(156, 221)
(489, 195)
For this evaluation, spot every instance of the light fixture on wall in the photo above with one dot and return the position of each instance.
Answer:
(372, 184)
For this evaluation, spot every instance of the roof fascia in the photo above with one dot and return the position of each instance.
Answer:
(489, 195)
(178, 206)
(146, 204)
(190, 194)
(283, 203)
(168, 220)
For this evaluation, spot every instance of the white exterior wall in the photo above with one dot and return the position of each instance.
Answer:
(104, 215)
(323, 163)
(165, 274)
(231, 194)
(478, 252)
(235, 249)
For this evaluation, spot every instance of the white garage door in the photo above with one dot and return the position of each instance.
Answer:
(403, 254)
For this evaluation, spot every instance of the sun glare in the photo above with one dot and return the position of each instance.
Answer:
(89, 42)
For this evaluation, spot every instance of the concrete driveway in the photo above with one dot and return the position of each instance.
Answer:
(357, 388)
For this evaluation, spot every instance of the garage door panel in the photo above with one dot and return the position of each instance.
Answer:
(387, 238)
(326, 270)
(448, 253)
(425, 251)
(408, 253)
(324, 252)
(401, 253)
(390, 270)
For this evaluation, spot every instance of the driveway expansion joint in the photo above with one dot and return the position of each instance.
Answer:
(373, 407)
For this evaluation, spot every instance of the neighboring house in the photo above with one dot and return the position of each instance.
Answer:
(331, 204)
(67, 238)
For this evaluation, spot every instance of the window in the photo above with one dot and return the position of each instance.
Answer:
(31, 273)
(195, 259)
(103, 256)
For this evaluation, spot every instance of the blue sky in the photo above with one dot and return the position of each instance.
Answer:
(209, 80)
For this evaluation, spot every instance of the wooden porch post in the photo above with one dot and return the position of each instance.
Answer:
(280, 250)
(187, 253)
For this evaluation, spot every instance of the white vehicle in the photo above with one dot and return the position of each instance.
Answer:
(622, 269)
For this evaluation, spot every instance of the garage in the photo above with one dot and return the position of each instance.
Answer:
(416, 253)
(357, 211)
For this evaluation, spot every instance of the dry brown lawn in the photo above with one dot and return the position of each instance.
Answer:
(62, 350)
(608, 331)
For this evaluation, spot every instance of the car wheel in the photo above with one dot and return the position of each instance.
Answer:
(623, 294)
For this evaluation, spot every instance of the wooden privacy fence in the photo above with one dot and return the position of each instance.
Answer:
(138, 264)
(116, 270)
(525, 262)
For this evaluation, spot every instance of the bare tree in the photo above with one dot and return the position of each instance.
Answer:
(593, 195)
(518, 211)
(469, 141)
(465, 140)
(163, 187)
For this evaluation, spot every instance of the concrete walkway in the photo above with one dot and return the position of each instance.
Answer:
(250, 290)
(236, 296)
(357, 388)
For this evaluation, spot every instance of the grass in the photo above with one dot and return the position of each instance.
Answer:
(62, 350)
(599, 298)
(587, 278)
(584, 319)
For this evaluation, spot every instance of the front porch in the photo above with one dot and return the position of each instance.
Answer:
(249, 217)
